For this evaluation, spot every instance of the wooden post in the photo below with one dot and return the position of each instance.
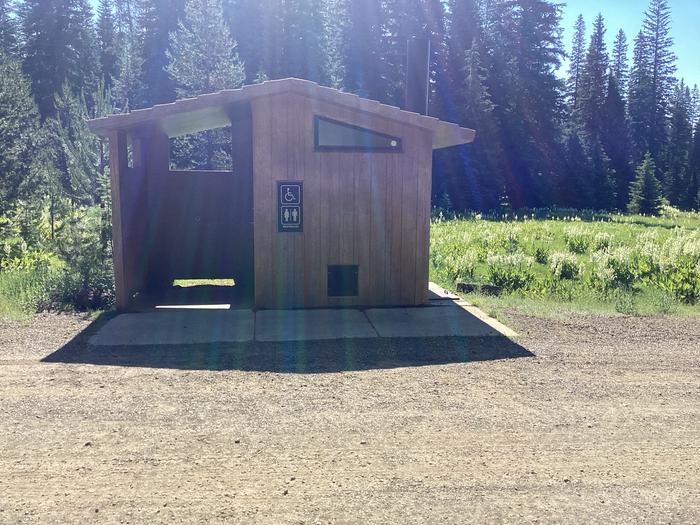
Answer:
(117, 165)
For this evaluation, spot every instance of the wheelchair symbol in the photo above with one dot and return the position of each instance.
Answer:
(290, 194)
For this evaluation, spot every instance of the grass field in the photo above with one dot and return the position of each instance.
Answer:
(545, 262)
(550, 262)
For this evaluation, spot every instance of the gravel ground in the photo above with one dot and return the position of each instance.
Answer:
(584, 420)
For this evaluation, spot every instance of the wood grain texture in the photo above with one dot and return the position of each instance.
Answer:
(117, 164)
(362, 208)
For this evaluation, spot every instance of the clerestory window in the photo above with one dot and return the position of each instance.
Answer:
(332, 135)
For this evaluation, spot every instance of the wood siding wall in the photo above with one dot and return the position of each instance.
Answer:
(363, 208)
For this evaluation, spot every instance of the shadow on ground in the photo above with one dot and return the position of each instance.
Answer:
(290, 357)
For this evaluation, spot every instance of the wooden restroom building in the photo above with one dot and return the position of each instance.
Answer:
(326, 202)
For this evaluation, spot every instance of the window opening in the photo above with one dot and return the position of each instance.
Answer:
(334, 135)
(205, 150)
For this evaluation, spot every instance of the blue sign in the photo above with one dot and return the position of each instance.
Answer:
(290, 202)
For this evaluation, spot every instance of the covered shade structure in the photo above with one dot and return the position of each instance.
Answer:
(327, 202)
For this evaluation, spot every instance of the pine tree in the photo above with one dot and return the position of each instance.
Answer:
(576, 63)
(677, 177)
(203, 60)
(272, 30)
(84, 78)
(157, 18)
(60, 47)
(202, 55)
(575, 189)
(523, 52)
(76, 149)
(404, 20)
(128, 87)
(463, 29)
(692, 199)
(694, 104)
(304, 40)
(434, 25)
(640, 98)
(616, 140)
(19, 129)
(107, 39)
(603, 177)
(593, 84)
(334, 17)
(8, 29)
(655, 71)
(363, 50)
(483, 182)
(457, 169)
(244, 19)
(645, 192)
(619, 65)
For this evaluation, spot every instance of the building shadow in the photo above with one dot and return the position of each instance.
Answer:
(300, 357)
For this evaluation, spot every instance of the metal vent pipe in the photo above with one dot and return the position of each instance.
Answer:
(417, 75)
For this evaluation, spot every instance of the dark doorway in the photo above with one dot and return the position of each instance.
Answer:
(201, 228)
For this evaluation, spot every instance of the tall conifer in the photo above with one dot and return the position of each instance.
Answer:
(676, 181)
(619, 65)
(157, 18)
(577, 59)
(60, 47)
(645, 192)
(593, 83)
(303, 40)
(362, 43)
(616, 140)
(692, 199)
(19, 128)
(652, 88)
(107, 40)
(8, 28)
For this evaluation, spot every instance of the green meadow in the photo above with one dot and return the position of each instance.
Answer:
(549, 262)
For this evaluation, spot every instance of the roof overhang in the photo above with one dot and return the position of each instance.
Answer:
(211, 111)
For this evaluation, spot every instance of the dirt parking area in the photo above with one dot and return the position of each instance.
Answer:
(583, 420)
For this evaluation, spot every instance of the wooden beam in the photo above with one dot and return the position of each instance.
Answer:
(118, 162)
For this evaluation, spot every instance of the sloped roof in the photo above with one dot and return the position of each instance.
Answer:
(190, 115)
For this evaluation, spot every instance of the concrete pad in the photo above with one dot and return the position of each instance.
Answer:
(305, 325)
(437, 292)
(177, 328)
(435, 321)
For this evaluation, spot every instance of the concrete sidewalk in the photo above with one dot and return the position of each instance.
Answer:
(187, 326)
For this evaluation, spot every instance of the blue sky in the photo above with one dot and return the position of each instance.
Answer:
(628, 16)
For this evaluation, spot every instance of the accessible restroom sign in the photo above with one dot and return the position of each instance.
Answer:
(290, 206)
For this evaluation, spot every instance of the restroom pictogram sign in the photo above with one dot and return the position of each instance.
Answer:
(290, 206)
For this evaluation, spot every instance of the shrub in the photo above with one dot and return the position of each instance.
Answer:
(541, 255)
(564, 266)
(577, 240)
(648, 257)
(626, 304)
(510, 272)
(459, 267)
(602, 241)
(86, 282)
(682, 279)
(69, 290)
(678, 267)
(613, 270)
